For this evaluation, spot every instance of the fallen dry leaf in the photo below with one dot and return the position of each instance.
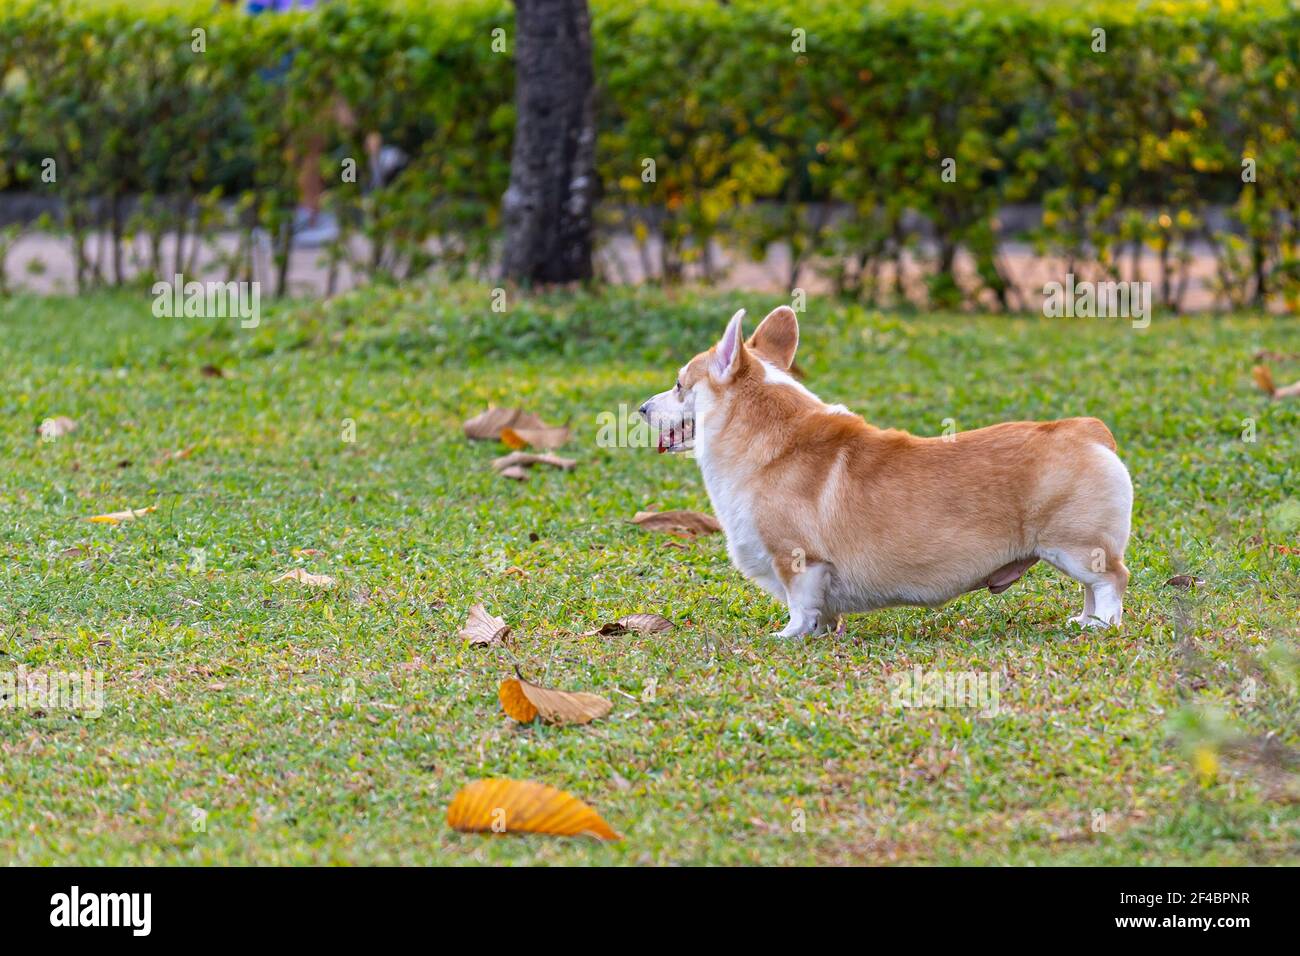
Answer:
(56, 427)
(118, 516)
(174, 455)
(1264, 379)
(524, 806)
(523, 702)
(76, 551)
(213, 371)
(1268, 355)
(307, 552)
(483, 628)
(307, 578)
(490, 423)
(1184, 581)
(635, 624)
(682, 523)
(512, 440)
(522, 459)
(547, 439)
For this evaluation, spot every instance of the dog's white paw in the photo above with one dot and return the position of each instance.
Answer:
(1092, 621)
(801, 626)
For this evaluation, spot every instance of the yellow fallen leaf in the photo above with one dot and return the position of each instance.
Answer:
(524, 702)
(524, 806)
(307, 578)
(119, 516)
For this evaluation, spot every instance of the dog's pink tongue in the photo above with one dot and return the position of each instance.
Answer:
(663, 442)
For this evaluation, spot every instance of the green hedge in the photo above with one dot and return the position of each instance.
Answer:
(1124, 150)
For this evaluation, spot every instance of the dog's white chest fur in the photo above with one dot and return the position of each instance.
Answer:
(735, 510)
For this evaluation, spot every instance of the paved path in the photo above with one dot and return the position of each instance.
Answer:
(43, 263)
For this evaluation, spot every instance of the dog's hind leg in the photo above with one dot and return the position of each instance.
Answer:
(1088, 533)
(805, 595)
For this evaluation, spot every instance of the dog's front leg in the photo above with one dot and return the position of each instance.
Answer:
(805, 595)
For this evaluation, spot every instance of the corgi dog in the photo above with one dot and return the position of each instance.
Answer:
(832, 515)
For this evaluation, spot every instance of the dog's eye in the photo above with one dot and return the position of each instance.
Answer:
(678, 386)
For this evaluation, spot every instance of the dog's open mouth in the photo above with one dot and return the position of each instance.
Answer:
(677, 437)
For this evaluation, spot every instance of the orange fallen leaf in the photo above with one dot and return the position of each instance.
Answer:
(484, 628)
(633, 623)
(524, 701)
(524, 806)
(305, 577)
(1264, 379)
(306, 552)
(547, 438)
(687, 523)
(174, 455)
(118, 516)
(489, 424)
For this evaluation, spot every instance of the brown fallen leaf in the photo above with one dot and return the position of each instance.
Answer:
(484, 628)
(307, 552)
(306, 577)
(514, 473)
(682, 523)
(174, 455)
(213, 371)
(524, 806)
(118, 516)
(635, 624)
(1264, 379)
(1268, 355)
(76, 551)
(547, 439)
(489, 424)
(1184, 581)
(523, 702)
(524, 459)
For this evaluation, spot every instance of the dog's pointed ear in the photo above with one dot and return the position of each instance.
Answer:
(777, 337)
(729, 352)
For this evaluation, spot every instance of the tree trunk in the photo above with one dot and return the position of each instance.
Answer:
(547, 209)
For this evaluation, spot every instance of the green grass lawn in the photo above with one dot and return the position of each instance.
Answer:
(334, 726)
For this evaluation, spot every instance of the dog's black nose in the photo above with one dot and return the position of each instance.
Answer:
(644, 406)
